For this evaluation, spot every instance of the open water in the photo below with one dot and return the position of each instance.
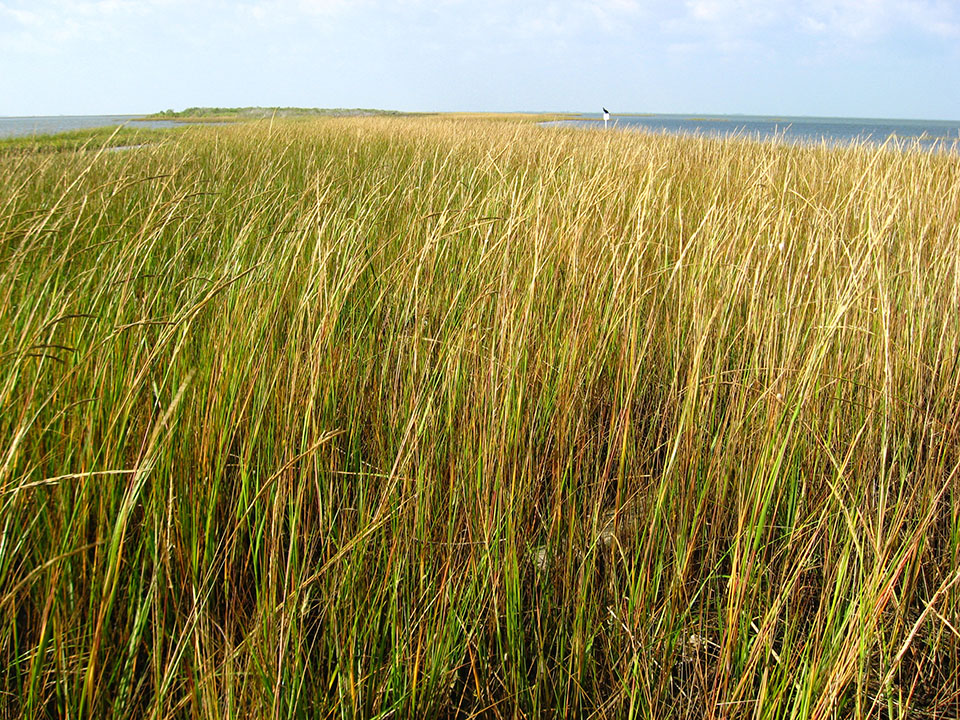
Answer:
(941, 134)
(47, 125)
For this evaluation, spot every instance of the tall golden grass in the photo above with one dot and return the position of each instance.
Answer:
(446, 418)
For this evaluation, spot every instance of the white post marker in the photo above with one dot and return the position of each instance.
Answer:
(606, 117)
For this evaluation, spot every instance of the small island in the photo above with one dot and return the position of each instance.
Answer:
(220, 114)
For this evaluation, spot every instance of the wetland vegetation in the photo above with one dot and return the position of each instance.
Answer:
(432, 417)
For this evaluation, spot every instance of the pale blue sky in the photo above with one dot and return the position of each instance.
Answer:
(865, 58)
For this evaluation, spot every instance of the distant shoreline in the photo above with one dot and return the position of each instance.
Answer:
(928, 134)
(240, 114)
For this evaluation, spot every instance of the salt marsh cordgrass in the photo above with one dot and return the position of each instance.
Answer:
(427, 417)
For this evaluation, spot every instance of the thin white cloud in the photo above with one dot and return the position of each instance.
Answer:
(727, 26)
(935, 18)
(563, 19)
(323, 8)
(851, 19)
(506, 18)
(45, 25)
(550, 18)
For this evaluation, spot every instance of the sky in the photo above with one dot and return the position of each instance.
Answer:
(852, 58)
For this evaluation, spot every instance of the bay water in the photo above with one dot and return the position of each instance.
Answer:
(51, 124)
(928, 134)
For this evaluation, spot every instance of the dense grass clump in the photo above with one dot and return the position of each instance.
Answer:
(444, 418)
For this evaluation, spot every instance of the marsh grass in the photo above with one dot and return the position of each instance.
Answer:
(438, 418)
